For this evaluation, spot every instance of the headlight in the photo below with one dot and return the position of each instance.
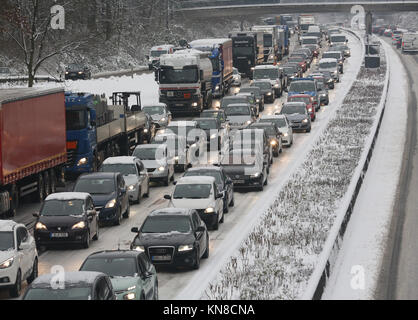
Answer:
(336, 72)
(129, 296)
(163, 119)
(305, 121)
(80, 225)
(276, 85)
(217, 104)
(210, 210)
(194, 145)
(66, 72)
(145, 130)
(285, 134)
(214, 136)
(269, 93)
(310, 109)
(217, 88)
(177, 158)
(7, 264)
(258, 100)
(273, 142)
(111, 203)
(80, 72)
(187, 247)
(82, 162)
(194, 104)
(252, 69)
(161, 169)
(139, 248)
(256, 175)
(249, 122)
(271, 57)
(40, 226)
(131, 187)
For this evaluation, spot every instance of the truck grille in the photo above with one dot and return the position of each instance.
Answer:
(71, 157)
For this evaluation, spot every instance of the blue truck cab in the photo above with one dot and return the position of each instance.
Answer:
(305, 86)
(81, 132)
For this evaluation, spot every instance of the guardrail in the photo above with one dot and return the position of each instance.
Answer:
(25, 79)
(318, 281)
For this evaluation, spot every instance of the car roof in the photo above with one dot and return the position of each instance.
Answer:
(266, 67)
(294, 103)
(171, 212)
(7, 225)
(238, 105)
(196, 180)
(339, 52)
(120, 160)
(328, 60)
(299, 96)
(64, 196)
(271, 117)
(182, 124)
(157, 104)
(100, 175)
(204, 168)
(70, 279)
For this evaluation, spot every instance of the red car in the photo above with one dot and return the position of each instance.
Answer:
(301, 62)
(306, 98)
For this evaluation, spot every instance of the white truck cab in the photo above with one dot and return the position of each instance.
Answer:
(157, 52)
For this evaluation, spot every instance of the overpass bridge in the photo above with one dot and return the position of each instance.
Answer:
(227, 8)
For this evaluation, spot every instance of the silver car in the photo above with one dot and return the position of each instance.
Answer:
(159, 114)
(283, 124)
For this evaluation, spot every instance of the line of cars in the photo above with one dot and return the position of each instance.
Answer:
(403, 39)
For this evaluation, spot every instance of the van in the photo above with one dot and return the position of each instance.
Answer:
(336, 39)
(314, 31)
(410, 42)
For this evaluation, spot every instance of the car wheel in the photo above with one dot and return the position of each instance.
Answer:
(232, 204)
(127, 212)
(196, 265)
(34, 273)
(17, 287)
(206, 254)
(223, 218)
(167, 181)
(216, 224)
(146, 195)
(267, 181)
(276, 153)
(308, 130)
(96, 236)
(86, 243)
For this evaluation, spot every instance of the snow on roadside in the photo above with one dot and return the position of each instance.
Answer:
(278, 257)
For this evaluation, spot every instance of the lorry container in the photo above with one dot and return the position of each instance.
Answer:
(185, 81)
(32, 144)
(270, 42)
(304, 22)
(220, 51)
(96, 130)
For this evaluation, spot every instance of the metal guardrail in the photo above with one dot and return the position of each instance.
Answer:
(25, 79)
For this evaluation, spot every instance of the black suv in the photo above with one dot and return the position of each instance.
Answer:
(77, 71)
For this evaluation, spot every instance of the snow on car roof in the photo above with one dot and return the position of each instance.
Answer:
(63, 196)
(339, 52)
(328, 60)
(204, 168)
(7, 225)
(182, 124)
(120, 160)
(157, 104)
(266, 67)
(170, 211)
(70, 278)
(272, 116)
(208, 42)
(196, 180)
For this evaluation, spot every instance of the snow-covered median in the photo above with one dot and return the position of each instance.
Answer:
(277, 259)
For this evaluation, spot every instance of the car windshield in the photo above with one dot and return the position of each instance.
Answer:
(238, 158)
(75, 119)
(124, 169)
(251, 90)
(172, 76)
(209, 114)
(146, 153)
(232, 100)
(192, 191)
(180, 130)
(75, 67)
(166, 224)
(279, 122)
(206, 173)
(113, 267)
(332, 55)
(327, 65)
(62, 208)
(338, 39)
(158, 53)
(307, 100)
(69, 293)
(207, 124)
(95, 186)
(264, 85)
(237, 111)
(302, 86)
(154, 110)
(268, 129)
(309, 41)
(296, 59)
(290, 70)
(243, 51)
(6, 240)
(292, 109)
(266, 74)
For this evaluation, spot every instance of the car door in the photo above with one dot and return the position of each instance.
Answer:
(142, 176)
(219, 202)
(146, 279)
(26, 253)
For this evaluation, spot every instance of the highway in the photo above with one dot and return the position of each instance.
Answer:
(171, 282)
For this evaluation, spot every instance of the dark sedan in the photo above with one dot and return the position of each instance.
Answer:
(274, 135)
(77, 71)
(223, 182)
(267, 90)
(67, 217)
(258, 95)
(109, 194)
(216, 132)
(174, 237)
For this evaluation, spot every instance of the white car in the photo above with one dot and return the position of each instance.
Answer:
(18, 257)
(236, 78)
(177, 150)
(201, 194)
(272, 74)
(283, 124)
(134, 173)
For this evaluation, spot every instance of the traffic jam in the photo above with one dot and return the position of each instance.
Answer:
(228, 110)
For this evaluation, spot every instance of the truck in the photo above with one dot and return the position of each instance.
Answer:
(304, 22)
(270, 42)
(185, 81)
(156, 52)
(285, 40)
(222, 63)
(283, 19)
(96, 130)
(248, 50)
(32, 145)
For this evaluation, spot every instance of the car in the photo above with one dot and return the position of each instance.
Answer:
(216, 132)
(300, 61)
(304, 55)
(134, 173)
(305, 86)
(251, 100)
(343, 48)
(291, 71)
(76, 71)
(131, 273)
(18, 257)
(331, 65)
(274, 135)
(339, 39)
(397, 40)
(177, 149)
(157, 160)
(81, 285)
(313, 43)
(66, 218)
(236, 77)
(196, 139)
(387, 32)
(328, 79)
(271, 73)
(258, 96)
(201, 194)
(224, 184)
(307, 99)
(335, 55)
(322, 89)
(297, 115)
(306, 50)
(109, 193)
(214, 113)
(159, 113)
(267, 90)
(239, 115)
(246, 168)
(173, 237)
(283, 124)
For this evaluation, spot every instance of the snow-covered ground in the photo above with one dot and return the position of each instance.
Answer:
(363, 248)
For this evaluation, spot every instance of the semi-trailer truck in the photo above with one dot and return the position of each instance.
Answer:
(270, 42)
(96, 130)
(32, 145)
(185, 81)
(220, 51)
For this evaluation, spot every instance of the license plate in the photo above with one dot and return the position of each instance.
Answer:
(239, 181)
(179, 105)
(161, 258)
(59, 235)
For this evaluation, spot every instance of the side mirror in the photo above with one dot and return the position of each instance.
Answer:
(123, 191)
(135, 230)
(200, 229)
(229, 181)
(167, 197)
(36, 215)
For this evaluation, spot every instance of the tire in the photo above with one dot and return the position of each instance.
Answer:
(119, 217)
(146, 195)
(308, 130)
(267, 181)
(167, 181)
(206, 254)
(34, 273)
(216, 224)
(17, 287)
(261, 188)
(226, 207)
(127, 212)
(276, 154)
(196, 265)
(86, 243)
(232, 204)
(222, 219)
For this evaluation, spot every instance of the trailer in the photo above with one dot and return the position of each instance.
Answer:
(32, 145)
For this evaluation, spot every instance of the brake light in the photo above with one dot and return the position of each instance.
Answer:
(71, 145)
